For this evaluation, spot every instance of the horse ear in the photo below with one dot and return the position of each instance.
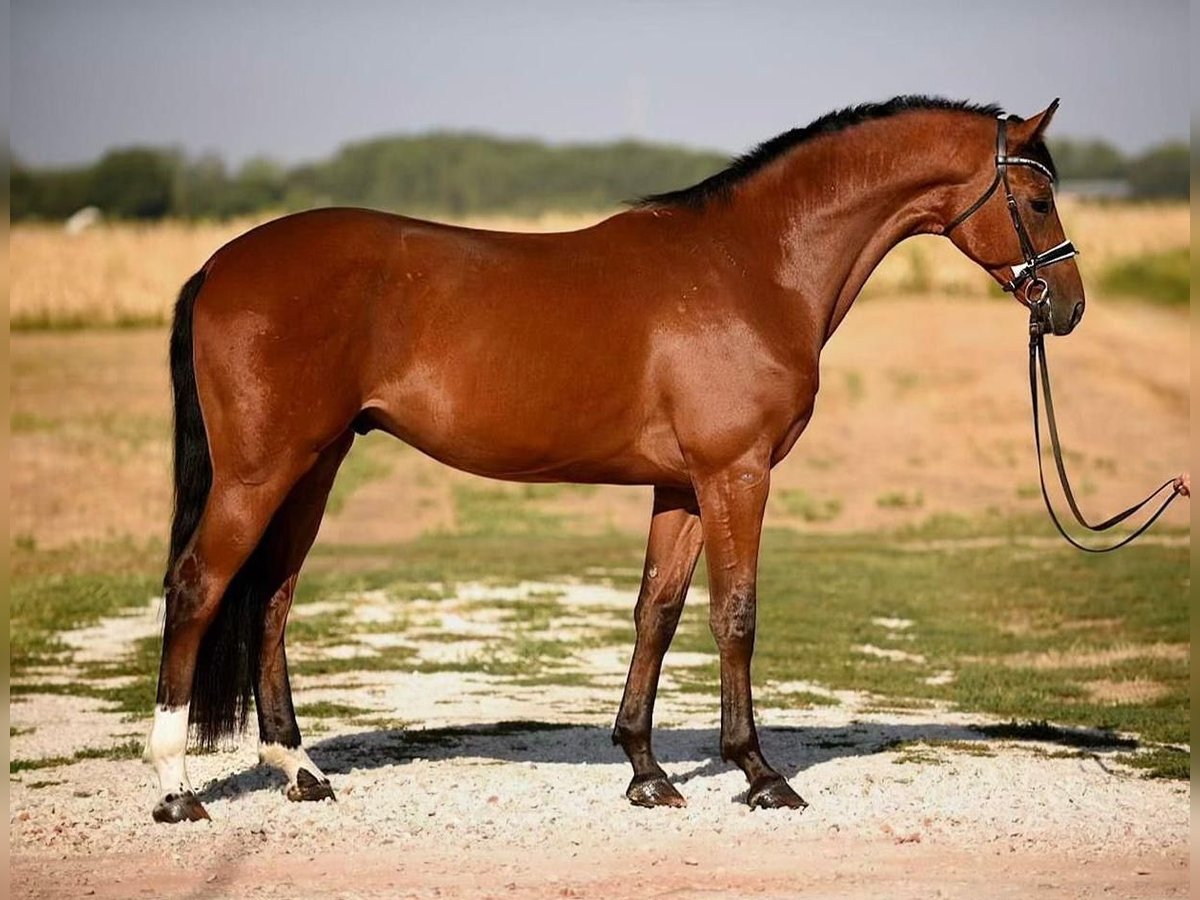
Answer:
(1031, 130)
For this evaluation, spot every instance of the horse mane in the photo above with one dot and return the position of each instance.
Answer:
(720, 185)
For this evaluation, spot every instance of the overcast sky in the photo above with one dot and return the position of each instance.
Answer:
(293, 79)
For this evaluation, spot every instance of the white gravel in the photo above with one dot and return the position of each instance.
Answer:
(556, 793)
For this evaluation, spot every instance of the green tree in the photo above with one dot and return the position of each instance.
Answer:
(1162, 173)
(133, 183)
(1087, 160)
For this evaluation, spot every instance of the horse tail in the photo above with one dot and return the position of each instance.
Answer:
(193, 465)
(227, 660)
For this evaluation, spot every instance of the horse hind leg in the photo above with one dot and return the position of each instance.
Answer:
(289, 539)
(671, 552)
(209, 634)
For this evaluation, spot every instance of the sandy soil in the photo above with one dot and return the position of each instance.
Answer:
(439, 797)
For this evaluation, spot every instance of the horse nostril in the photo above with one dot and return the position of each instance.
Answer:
(1077, 314)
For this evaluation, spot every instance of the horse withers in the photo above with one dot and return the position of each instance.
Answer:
(674, 345)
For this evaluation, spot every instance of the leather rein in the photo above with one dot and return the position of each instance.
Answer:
(1036, 297)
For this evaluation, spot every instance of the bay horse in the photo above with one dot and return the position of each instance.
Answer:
(675, 345)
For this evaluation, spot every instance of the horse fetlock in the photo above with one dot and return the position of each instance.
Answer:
(630, 737)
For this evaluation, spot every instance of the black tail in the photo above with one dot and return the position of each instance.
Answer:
(228, 659)
(193, 467)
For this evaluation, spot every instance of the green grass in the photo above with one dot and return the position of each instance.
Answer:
(501, 511)
(900, 500)
(368, 460)
(1159, 277)
(131, 749)
(1160, 762)
(975, 608)
(324, 709)
(801, 505)
(971, 606)
(44, 605)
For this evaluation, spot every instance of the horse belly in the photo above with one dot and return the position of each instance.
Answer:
(547, 420)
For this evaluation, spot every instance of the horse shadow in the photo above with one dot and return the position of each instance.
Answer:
(687, 753)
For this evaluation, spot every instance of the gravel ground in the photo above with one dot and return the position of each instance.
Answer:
(484, 808)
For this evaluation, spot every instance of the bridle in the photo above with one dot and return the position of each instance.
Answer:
(1036, 297)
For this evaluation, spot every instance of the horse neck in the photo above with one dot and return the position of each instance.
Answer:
(832, 208)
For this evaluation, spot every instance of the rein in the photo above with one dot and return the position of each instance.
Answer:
(1037, 364)
(1037, 299)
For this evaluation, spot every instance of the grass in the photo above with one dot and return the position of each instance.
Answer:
(975, 609)
(1163, 278)
(1106, 233)
(131, 749)
(127, 275)
(900, 500)
(800, 504)
(500, 511)
(367, 461)
(324, 709)
(45, 605)
(1160, 762)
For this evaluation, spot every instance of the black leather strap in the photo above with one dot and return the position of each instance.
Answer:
(1037, 363)
(970, 210)
(1027, 270)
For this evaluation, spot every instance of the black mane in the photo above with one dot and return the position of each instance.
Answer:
(720, 184)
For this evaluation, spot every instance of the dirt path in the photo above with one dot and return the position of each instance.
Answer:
(794, 866)
(465, 783)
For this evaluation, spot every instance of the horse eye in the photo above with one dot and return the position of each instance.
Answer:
(1040, 206)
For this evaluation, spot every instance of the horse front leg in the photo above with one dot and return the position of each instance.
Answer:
(671, 552)
(732, 502)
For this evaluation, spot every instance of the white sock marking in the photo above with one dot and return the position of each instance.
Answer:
(166, 747)
(290, 760)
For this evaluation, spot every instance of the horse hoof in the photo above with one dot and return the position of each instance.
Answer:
(309, 787)
(179, 808)
(773, 792)
(653, 790)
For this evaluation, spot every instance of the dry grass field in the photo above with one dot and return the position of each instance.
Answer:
(129, 274)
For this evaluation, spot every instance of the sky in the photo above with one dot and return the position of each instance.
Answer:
(294, 79)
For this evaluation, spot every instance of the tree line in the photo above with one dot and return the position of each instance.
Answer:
(446, 173)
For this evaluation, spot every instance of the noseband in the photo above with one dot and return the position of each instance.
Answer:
(1037, 292)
